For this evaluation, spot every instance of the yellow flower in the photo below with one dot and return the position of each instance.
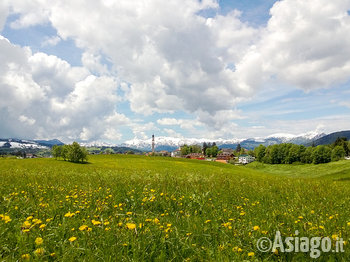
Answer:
(242, 213)
(149, 220)
(107, 228)
(25, 256)
(39, 251)
(39, 241)
(42, 226)
(251, 254)
(256, 228)
(156, 220)
(321, 227)
(53, 254)
(7, 219)
(95, 222)
(130, 225)
(275, 251)
(129, 213)
(188, 234)
(30, 217)
(106, 223)
(348, 224)
(69, 214)
(207, 221)
(334, 236)
(312, 212)
(72, 239)
(83, 227)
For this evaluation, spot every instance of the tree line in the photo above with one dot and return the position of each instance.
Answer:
(290, 153)
(73, 153)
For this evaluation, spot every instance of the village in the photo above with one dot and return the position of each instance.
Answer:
(208, 152)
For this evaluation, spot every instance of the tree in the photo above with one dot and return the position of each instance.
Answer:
(293, 154)
(322, 154)
(260, 152)
(306, 156)
(204, 148)
(238, 148)
(338, 153)
(185, 150)
(73, 153)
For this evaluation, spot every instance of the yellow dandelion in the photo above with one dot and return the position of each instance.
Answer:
(72, 239)
(7, 219)
(29, 218)
(348, 224)
(42, 226)
(53, 254)
(26, 224)
(312, 212)
(106, 223)
(242, 213)
(156, 220)
(275, 251)
(95, 222)
(251, 254)
(25, 256)
(39, 241)
(256, 228)
(207, 221)
(334, 236)
(39, 251)
(107, 228)
(83, 227)
(128, 213)
(188, 234)
(131, 225)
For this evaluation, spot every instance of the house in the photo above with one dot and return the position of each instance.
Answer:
(224, 156)
(245, 159)
(176, 153)
(227, 150)
(198, 156)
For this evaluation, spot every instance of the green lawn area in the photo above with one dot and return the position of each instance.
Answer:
(138, 208)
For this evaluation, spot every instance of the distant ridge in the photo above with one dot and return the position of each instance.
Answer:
(330, 138)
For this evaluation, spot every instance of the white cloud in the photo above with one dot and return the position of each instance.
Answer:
(42, 96)
(51, 41)
(3, 13)
(305, 44)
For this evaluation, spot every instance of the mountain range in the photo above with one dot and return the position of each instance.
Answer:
(172, 143)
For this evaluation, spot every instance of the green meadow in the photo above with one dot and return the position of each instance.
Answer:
(137, 208)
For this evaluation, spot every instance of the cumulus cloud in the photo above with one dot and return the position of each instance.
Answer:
(166, 58)
(42, 96)
(305, 44)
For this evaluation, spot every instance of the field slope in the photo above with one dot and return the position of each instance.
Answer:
(135, 208)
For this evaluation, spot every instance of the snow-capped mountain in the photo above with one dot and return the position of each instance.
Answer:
(13, 143)
(172, 143)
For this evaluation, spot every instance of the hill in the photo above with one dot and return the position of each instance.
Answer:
(330, 138)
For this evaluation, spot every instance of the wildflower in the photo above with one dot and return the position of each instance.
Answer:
(348, 224)
(39, 241)
(106, 223)
(7, 219)
(42, 226)
(321, 227)
(53, 254)
(256, 228)
(331, 217)
(149, 220)
(128, 213)
(312, 212)
(131, 225)
(29, 218)
(120, 224)
(156, 220)
(72, 239)
(275, 251)
(242, 213)
(69, 214)
(251, 254)
(39, 251)
(207, 221)
(95, 222)
(188, 234)
(25, 256)
(335, 237)
(83, 227)
(300, 217)
(107, 228)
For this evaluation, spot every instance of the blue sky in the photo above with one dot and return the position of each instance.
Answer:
(199, 69)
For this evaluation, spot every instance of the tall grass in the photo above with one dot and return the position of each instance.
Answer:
(132, 208)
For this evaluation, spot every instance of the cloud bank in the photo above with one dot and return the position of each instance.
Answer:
(162, 57)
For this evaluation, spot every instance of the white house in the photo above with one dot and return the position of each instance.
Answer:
(245, 159)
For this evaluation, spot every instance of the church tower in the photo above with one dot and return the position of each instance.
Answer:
(153, 143)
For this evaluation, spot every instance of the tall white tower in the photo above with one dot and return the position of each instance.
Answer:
(153, 143)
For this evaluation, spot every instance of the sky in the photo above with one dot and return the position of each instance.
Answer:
(118, 70)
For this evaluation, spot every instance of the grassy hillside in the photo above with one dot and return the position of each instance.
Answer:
(339, 170)
(155, 209)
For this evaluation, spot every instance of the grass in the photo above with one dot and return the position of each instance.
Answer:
(136, 208)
